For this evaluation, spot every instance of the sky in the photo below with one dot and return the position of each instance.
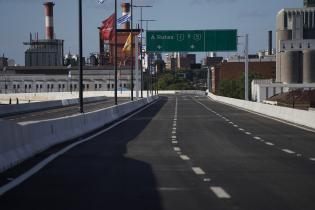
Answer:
(20, 17)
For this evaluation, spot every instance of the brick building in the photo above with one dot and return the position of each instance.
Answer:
(234, 70)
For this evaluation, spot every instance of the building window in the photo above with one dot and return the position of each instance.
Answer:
(125, 85)
(63, 86)
(59, 86)
(48, 86)
(29, 86)
(14, 86)
(52, 86)
(75, 86)
(87, 86)
(18, 86)
(100, 86)
(108, 86)
(6, 86)
(25, 86)
(113, 85)
(95, 86)
(36, 86)
(40, 86)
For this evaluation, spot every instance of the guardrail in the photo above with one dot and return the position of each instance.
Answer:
(301, 117)
(23, 140)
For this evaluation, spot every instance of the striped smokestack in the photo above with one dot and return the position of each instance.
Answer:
(49, 20)
(125, 7)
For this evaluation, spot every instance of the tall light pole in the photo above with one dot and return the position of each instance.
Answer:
(116, 72)
(141, 54)
(149, 59)
(80, 58)
(246, 67)
(132, 48)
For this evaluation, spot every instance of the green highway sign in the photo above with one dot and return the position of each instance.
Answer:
(192, 41)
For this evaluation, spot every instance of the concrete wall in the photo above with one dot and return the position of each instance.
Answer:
(301, 117)
(23, 140)
(30, 107)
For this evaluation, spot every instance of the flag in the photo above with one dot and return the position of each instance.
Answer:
(127, 46)
(100, 1)
(123, 19)
(108, 27)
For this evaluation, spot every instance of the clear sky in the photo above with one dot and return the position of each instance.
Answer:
(20, 17)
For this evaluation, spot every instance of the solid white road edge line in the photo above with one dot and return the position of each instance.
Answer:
(20, 179)
(288, 151)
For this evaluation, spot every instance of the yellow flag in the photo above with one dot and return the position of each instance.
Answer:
(127, 46)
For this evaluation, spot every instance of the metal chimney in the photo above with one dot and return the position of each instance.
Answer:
(269, 42)
(49, 20)
(125, 7)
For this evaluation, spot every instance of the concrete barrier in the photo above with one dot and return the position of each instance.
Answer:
(301, 117)
(23, 140)
(6, 110)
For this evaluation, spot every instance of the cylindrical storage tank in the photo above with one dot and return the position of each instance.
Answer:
(125, 7)
(281, 35)
(291, 67)
(49, 20)
(309, 66)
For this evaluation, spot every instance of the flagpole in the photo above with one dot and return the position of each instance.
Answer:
(132, 48)
(116, 101)
(80, 58)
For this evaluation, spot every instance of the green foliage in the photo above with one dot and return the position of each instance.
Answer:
(168, 81)
(236, 88)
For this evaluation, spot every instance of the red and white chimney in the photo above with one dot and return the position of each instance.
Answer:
(49, 20)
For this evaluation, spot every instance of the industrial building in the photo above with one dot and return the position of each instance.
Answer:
(179, 60)
(48, 51)
(61, 79)
(295, 40)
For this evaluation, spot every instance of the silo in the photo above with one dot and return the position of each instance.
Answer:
(309, 66)
(291, 67)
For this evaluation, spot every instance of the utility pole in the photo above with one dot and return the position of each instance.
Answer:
(80, 58)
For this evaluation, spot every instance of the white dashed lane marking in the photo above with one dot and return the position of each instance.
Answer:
(257, 138)
(220, 192)
(270, 144)
(177, 149)
(312, 159)
(198, 171)
(174, 142)
(184, 157)
(288, 151)
(248, 133)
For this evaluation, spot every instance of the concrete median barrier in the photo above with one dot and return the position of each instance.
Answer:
(7, 110)
(296, 116)
(21, 141)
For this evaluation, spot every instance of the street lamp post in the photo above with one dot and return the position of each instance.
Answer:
(150, 82)
(116, 72)
(80, 58)
(141, 53)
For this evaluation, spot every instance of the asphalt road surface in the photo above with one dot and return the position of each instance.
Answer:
(63, 111)
(183, 152)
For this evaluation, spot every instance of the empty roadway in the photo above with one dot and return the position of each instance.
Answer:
(182, 152)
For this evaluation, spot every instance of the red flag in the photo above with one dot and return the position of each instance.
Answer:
(108, 27)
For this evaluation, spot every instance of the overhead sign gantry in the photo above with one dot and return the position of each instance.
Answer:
(192, 41)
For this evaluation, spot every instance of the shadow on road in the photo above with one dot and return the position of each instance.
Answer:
(95, 175)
